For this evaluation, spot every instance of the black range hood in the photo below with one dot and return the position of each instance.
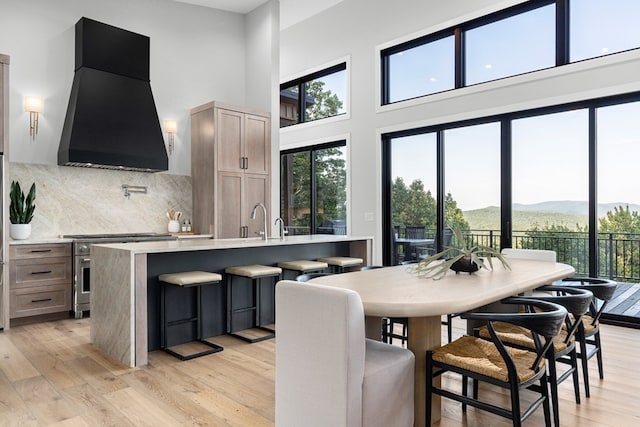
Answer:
(111, 120)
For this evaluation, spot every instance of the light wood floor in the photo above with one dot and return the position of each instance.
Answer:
(51, 375)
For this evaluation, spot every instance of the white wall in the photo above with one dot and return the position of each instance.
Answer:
(197, 55)
(263, 80)
(359, 28)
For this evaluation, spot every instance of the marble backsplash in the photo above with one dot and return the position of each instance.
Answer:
(73, 200)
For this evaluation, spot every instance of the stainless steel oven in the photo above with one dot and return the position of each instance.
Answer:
(81, 303)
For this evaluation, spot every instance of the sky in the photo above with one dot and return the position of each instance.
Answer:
(472, 154)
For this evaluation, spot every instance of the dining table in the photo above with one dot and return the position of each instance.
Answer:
(398, 291)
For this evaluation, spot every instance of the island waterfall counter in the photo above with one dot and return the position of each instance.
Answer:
(125, 289)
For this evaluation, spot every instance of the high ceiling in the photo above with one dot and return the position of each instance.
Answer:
(291, 11)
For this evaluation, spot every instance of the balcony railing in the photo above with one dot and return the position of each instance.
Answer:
(618, 253)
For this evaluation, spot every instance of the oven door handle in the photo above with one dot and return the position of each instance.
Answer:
(85, 260)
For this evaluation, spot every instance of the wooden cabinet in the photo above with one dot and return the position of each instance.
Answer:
(4, 193)
(40, 279)
(230, 169)
(4, 101)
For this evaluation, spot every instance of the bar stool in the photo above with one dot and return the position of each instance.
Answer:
(303, 266)
(254, 272)
(339, 263)
(187, 279)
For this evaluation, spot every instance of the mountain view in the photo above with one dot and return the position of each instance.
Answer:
(567, 213)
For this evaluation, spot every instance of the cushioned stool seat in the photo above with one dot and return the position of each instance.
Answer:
(303, 266)
(255, 330)
(339, 263)
(186, 279)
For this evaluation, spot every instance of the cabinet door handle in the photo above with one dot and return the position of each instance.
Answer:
(41, 272)
(246, 163)
(41, 300)
(36, 251)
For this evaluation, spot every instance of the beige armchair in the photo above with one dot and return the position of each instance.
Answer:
(327, 372)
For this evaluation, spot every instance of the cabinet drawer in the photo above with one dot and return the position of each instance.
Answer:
(39, 272)
(40, 251)
(40, 300)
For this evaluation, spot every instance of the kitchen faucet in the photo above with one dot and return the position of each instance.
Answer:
(264, 215)
(280, 221)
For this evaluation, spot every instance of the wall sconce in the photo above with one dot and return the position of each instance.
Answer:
(170, 127)
(33, 105)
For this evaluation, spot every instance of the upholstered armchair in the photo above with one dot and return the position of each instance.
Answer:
(327, 372)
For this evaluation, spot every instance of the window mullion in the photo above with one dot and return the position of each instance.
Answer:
(459, 79)
(562, 32)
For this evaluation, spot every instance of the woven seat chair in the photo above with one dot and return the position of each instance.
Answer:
(576, 301)
(588, 333)
(495, 363)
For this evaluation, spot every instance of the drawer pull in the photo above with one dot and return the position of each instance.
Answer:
(41, 300)
(42, 272)
(35, 251)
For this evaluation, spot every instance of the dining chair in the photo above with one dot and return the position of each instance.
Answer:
(494, 363)
(532, 254)
(327, 372)
(413, 232)
(588, 333)
(576, 301)
(308, 276)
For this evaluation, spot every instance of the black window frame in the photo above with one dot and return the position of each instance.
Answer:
(301, 82)
(562, 44)
(505, 121)
(312, 150)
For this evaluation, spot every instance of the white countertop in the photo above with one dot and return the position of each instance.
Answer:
(40, 241)
(183, 245)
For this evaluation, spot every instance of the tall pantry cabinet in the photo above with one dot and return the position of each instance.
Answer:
(4, 193)
(230, 169)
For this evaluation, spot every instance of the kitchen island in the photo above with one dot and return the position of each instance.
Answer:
(125, 289)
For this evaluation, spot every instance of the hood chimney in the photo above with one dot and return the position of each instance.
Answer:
(111, 119)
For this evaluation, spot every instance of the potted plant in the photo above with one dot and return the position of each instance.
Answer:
(21, 210)
(458, 258)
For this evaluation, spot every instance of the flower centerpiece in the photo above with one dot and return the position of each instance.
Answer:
(458, 258)
(21, 210)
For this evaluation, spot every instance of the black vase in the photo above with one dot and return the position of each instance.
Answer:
(465, 265)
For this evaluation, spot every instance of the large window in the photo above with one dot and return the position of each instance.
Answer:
(313, 189)
(421, 70)
(472, 180)
(315, 96)
(603, 27)
(414, 194)
(550, 161)
(618, 135)
(527, 37)
(510, 46)
(561, 178)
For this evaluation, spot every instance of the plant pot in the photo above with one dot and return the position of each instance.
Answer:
(20, 231)
(465, 265)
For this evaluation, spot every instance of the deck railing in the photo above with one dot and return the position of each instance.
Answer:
(618, 253)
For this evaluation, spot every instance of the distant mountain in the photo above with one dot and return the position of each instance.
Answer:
(571, 207)
(567, 213)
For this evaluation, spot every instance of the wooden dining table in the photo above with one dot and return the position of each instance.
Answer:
(398, 292)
